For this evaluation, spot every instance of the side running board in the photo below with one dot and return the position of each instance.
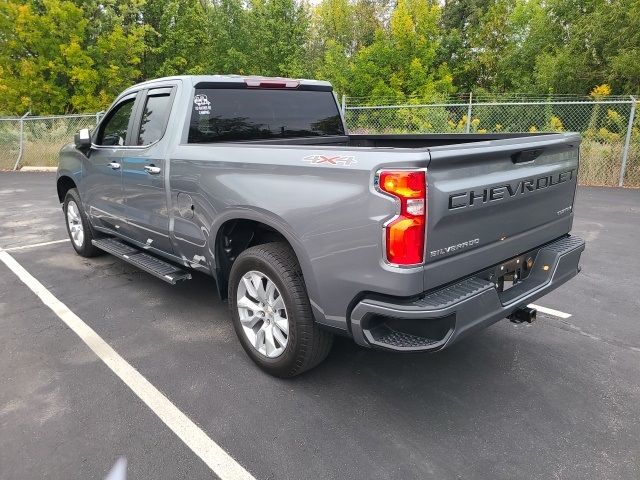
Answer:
(143, 260)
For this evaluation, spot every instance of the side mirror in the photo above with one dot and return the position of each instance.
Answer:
(83, 139)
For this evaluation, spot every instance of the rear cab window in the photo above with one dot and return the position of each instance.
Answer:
(155, 115)
(242, 114)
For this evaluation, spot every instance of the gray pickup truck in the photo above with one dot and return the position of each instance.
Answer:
(401, 242)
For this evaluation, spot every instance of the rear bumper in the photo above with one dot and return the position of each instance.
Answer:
(445, 315)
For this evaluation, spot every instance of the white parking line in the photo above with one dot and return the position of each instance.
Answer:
(34, 245)
(550, 311)
(219, 461)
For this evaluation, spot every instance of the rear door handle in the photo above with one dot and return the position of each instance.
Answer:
(114, 165)
(152, 169)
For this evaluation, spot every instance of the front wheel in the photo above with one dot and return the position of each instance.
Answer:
(272, 314)
(78, 226)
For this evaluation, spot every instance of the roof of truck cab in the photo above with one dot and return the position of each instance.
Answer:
(195, 79)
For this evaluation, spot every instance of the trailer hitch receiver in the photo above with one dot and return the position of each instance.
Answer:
(523, 314)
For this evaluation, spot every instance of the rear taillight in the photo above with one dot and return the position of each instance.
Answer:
(405, 234)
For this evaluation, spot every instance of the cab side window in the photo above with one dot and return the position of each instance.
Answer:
(113, 131)
(154, 116)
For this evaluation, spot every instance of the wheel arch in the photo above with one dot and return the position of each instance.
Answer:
(63, 185)
(249, 228)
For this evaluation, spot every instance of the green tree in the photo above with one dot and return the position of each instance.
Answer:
(178, 38)
(595, 42)
(402, 61)
(53, 61)
(231, 35)
(460, 19)
(70, 55)
(278, 36)
(42, 58)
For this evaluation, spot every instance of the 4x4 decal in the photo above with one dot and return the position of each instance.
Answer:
(330, 160)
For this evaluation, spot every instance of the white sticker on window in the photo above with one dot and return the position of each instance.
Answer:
(202, 104)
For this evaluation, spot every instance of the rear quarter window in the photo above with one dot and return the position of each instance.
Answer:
(231, 114)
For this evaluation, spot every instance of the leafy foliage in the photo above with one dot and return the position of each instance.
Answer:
(61, 56)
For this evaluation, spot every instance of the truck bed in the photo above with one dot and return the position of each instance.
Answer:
(397, 140)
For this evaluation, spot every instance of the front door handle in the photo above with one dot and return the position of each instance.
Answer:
(114, 165)
(152, 169)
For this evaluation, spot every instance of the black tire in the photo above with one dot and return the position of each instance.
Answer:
(307, 345)
(86, 248)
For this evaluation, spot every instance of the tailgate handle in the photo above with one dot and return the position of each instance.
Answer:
(526, 156)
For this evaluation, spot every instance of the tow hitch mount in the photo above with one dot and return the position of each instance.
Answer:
(523, 314)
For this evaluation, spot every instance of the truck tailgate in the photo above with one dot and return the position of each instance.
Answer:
(490, 201)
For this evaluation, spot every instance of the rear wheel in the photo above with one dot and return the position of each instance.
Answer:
(271, 311)
(78, 226)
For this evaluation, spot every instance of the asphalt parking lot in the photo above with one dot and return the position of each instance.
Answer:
(556, 399)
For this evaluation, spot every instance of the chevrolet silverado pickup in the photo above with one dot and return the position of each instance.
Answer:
(400, 242)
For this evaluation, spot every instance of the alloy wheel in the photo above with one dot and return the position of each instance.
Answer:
(76, 230)
(263, 314)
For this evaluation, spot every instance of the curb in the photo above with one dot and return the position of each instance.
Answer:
(39, 169)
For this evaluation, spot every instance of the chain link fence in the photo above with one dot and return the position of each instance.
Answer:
(36, 141)
(610, 128)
